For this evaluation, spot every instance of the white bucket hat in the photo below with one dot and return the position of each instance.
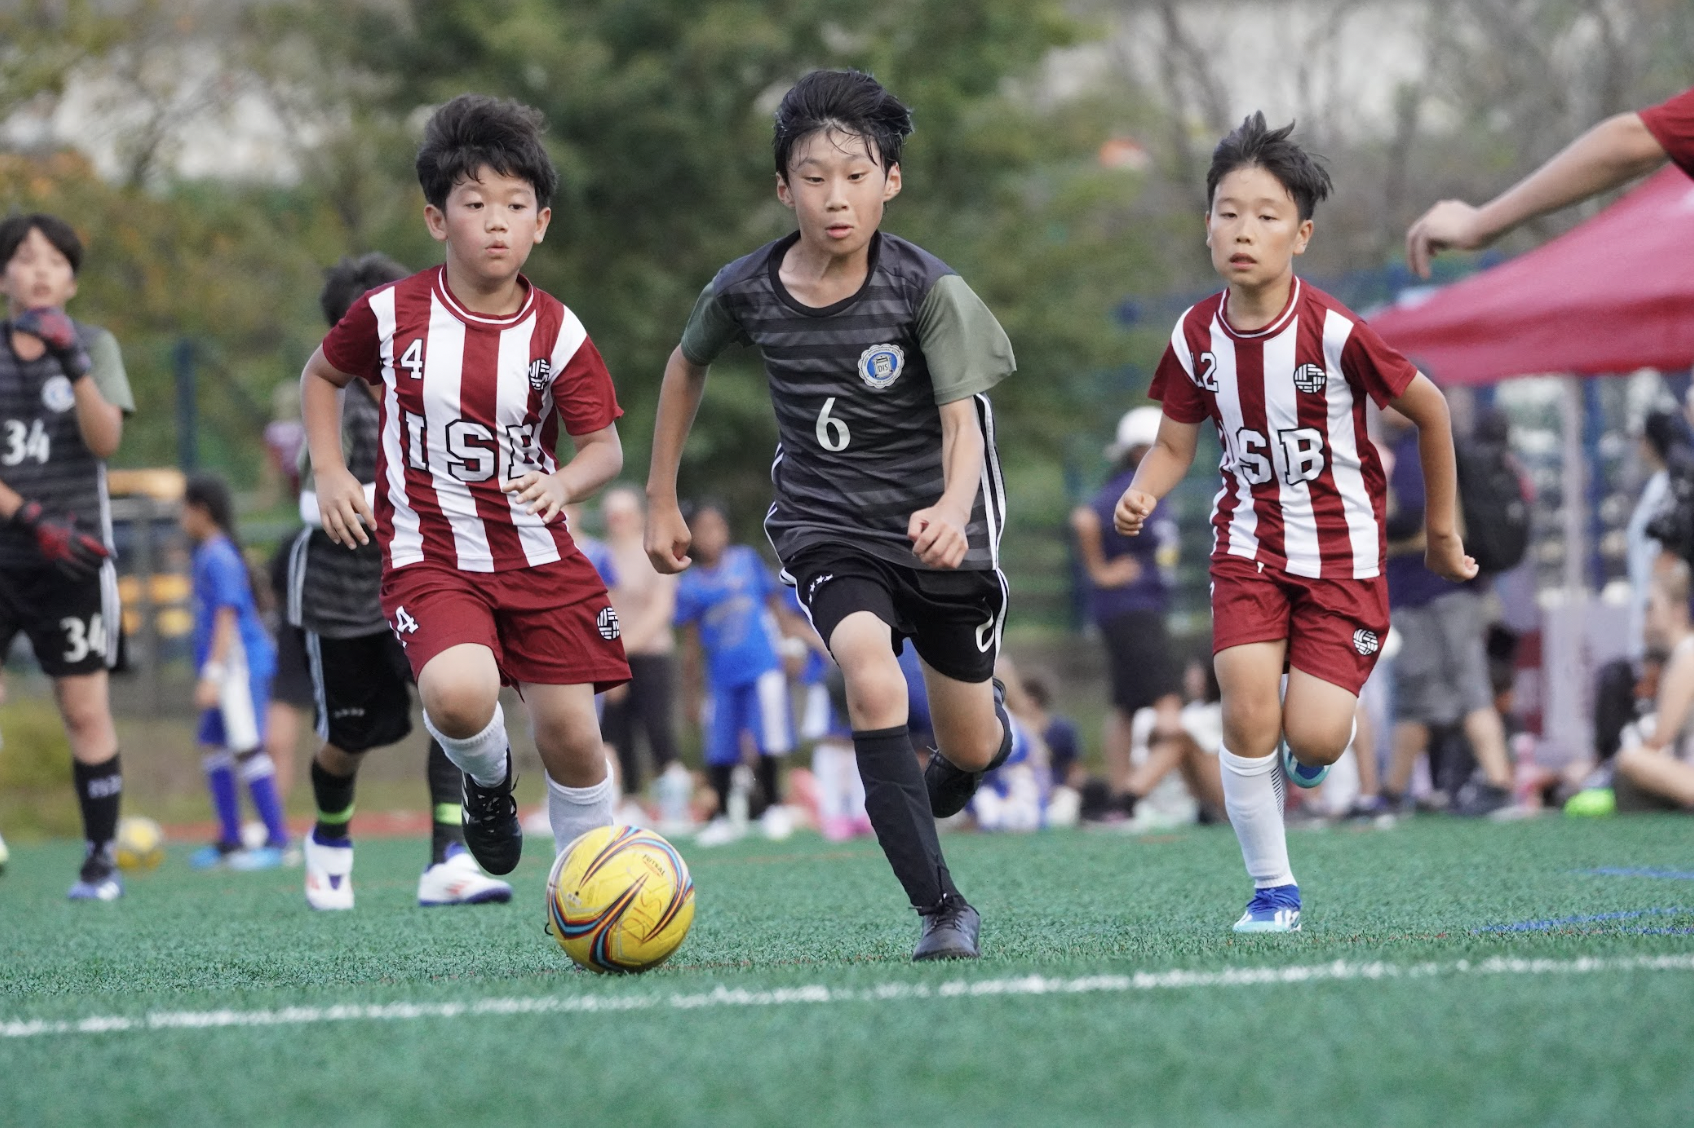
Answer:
(1139, 427)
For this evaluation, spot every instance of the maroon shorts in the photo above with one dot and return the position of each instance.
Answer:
(1334, 628)
(548, 625)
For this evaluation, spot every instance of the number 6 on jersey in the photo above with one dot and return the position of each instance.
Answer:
(832, 433)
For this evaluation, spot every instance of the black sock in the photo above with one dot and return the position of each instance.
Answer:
(446, 799)
(720, 777)
(99, 790)
(898, 805)
(766, 773)
(334, 795)
(1005, 751)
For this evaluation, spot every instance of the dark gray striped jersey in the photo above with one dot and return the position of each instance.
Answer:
(856, 387)
(335, 591)
(42, 455)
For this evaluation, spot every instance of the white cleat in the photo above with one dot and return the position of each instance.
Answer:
(776, 823)
(719, 832)
(458, 881)
(329, 874)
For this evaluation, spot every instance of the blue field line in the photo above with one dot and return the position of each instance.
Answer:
(1639, 871)
(1556, 922)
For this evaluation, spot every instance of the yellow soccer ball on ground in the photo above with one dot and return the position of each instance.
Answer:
(140, 844)
(620, 899)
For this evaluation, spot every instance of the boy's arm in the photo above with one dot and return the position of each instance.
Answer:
(1612, 153)
(341, 499)
(100, 422)
(1162, 468)
(1102, 573)
(667, 537)
(212, 674)
(693, 675)
(598, 458)
(1675, 700)
(1444, 553)
(938, 533)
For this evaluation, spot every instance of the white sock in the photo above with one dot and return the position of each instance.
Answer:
(575, 811)
(1252, 795)
(483, 756)
(828, 768)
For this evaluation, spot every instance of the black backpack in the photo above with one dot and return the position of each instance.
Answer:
(1495, 503)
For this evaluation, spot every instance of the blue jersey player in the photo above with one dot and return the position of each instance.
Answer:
(728, 603)
(235, 659)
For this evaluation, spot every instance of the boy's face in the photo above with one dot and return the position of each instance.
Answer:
(1254, 228)
(711, 535)
(195, 522)
(490, 224)
(622, 513)
(38, 275)
(837, 191)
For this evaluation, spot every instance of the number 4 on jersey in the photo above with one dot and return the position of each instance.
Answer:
(412, 359)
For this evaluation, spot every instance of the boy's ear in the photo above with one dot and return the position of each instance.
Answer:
(891, 187)
(1302, 236)
(436, 220)
(542, 218)
(783, 193)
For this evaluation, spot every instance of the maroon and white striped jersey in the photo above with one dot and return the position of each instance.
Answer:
(1303, 488)
(467, 400)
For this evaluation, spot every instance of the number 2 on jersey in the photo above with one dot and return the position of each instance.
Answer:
(832, 432)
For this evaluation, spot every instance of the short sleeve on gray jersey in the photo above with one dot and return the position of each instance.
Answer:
(108, 371)
(967, 350)
(711, 329)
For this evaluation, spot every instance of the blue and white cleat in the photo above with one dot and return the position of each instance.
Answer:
(263, 858)
(1276, 909)
(1299, 773)
(97, 882)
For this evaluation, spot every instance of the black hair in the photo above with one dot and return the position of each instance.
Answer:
(692, 509)
(1255, 144)
(1035, 688)
(1664, 431)
(474, 131)
(211, 493)
(14, 229)
(348, 279)
(849, 101)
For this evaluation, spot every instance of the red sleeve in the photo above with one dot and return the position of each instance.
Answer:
(583, 392)
(1370, 360)
(1672, 124)
(354, 346)
(1176, 390)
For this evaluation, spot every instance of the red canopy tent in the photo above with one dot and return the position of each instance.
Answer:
(1614, 294)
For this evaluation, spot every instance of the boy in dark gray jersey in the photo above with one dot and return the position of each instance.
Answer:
(360, 677)
(63, 396)
(889, 502)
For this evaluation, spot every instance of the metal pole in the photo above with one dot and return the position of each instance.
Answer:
(187, 408)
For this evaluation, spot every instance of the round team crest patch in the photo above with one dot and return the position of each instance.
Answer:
(1311, 378)
(881, 365)
(607, 624)
(57, 394)
(1365, 642)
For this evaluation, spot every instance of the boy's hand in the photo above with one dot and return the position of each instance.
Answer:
(54, 330)
(206, 694)
(667, 538)
(938, 536)
(1132, 511)
(543, 494)
(1450, 224)
(343, 509)
(1445, 556)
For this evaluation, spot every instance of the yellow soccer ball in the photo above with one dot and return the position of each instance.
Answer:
(620, 899)
(140, 844)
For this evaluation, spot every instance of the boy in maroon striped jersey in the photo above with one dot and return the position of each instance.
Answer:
(1283, 371)
(475, 370)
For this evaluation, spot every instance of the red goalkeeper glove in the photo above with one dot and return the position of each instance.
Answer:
(59, 335)
(74, 553)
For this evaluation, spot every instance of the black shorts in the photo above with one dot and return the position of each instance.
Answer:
(72, 624)
(293, 682)
(1138, 650)
(363, 690)
(954, 618)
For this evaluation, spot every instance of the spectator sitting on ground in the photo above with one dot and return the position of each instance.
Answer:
(1652, 771)
(1064, 747)
(1157, 799)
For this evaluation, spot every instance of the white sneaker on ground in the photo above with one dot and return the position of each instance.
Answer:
(719, 832)
(459, 881)
(329, 874)
(776, 823)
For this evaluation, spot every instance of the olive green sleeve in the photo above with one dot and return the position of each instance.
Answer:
(966, 349)
(108, 371)
(711, 329)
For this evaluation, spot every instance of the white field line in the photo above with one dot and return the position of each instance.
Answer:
(1339, 971)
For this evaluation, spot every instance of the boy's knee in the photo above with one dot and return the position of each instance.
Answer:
(1251, 729)
(1319, 744)
(460, 712)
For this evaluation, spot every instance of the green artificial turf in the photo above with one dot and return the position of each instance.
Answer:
(1424, 1041)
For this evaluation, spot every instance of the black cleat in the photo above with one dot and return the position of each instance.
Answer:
(950, 787)
(949, 932)
(492, 831)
